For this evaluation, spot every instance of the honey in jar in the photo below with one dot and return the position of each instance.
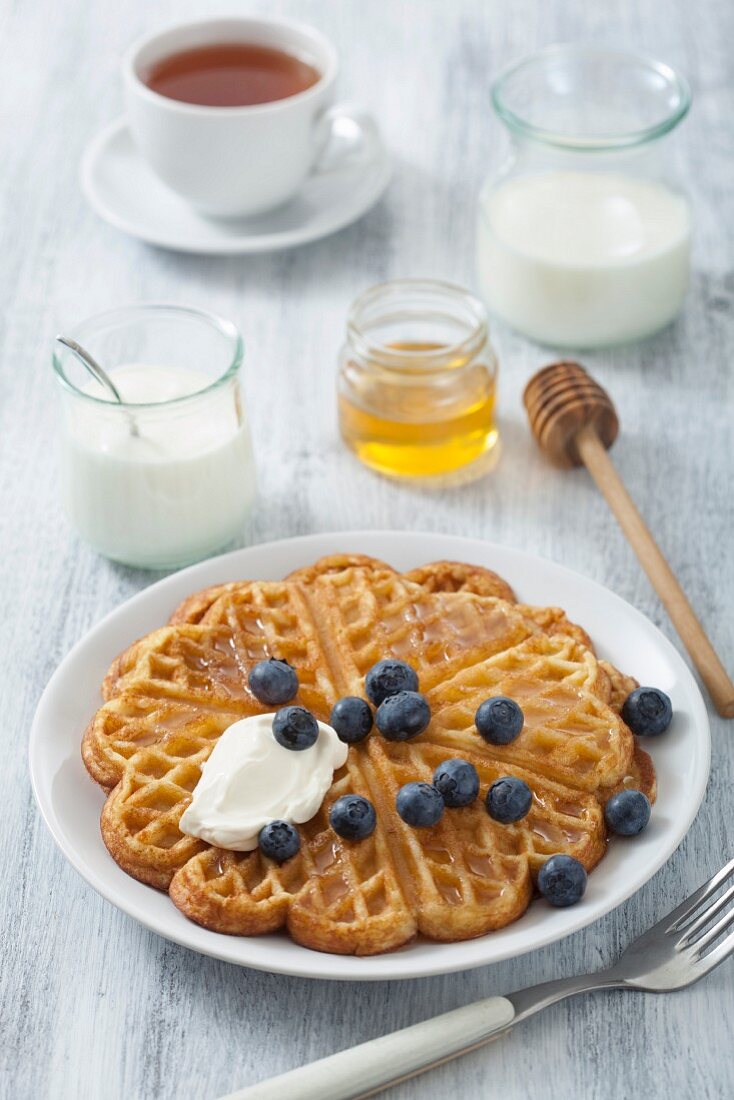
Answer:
(417, 382)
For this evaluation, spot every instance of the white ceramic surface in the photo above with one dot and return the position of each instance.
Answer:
(232, 161)
(122, 188)
(71, 803)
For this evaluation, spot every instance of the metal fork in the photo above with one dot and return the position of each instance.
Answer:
(675, 953)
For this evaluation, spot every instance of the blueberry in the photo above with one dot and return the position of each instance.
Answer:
(508, 799)
(352, 719)
(562, 881)
(273, 682)
(388, 677)
(353, 817)
(402, 716)
(457, 782)
(627, 813)
(419, 804)
(279, 840)
(499, 720)
(647, 711)
(295, 728)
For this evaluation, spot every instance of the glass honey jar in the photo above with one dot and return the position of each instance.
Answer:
(417, 382)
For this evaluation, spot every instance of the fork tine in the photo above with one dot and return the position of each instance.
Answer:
(707, 915)
(675, 919)
(718, 955)
(713, 933)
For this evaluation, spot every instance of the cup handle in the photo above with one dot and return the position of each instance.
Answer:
(345, 134)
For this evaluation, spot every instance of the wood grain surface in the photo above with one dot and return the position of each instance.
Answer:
(92, 1004)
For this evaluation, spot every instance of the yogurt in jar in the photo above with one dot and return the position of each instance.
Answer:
(162, 481)
(584, 259)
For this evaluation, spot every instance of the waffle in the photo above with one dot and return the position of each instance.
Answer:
(569, 733)
(436, 577)
(193, 609)
(191, 674)
(463, 878)
(170, 696)
(457, 576)
(366, 615)
(331, 627)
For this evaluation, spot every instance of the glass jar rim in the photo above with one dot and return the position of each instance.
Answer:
(603, 142)
(220, 324)
(419, 359)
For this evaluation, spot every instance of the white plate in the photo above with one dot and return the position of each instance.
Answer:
(71, 803)
(124, 191)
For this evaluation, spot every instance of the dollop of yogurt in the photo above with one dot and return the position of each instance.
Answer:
(250, 779)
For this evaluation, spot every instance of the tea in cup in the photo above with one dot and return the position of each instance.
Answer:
(234, 114)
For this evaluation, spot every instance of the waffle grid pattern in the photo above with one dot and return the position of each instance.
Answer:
(334, 895)
(175, 675)
(370, 616)
(569, 733)
(173, 693)
(472, 871)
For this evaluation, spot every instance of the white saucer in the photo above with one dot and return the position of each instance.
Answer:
(124, 191)
(71, 803)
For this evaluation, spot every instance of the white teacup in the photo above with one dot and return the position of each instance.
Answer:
(230, 161)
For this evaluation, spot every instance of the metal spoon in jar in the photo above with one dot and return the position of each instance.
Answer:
(100, 375)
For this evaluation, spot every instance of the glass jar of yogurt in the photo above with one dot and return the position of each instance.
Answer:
(584, 235)
(167, 476)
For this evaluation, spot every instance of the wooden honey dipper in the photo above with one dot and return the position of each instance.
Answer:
(574, 422)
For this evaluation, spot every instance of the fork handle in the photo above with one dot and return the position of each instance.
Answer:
(370, 1067)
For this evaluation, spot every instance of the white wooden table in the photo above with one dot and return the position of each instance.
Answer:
(92, 1004)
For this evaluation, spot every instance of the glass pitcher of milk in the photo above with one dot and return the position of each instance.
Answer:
(584, 236)
(166, 477)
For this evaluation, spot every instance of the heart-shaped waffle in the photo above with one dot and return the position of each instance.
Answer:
(172, 694)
